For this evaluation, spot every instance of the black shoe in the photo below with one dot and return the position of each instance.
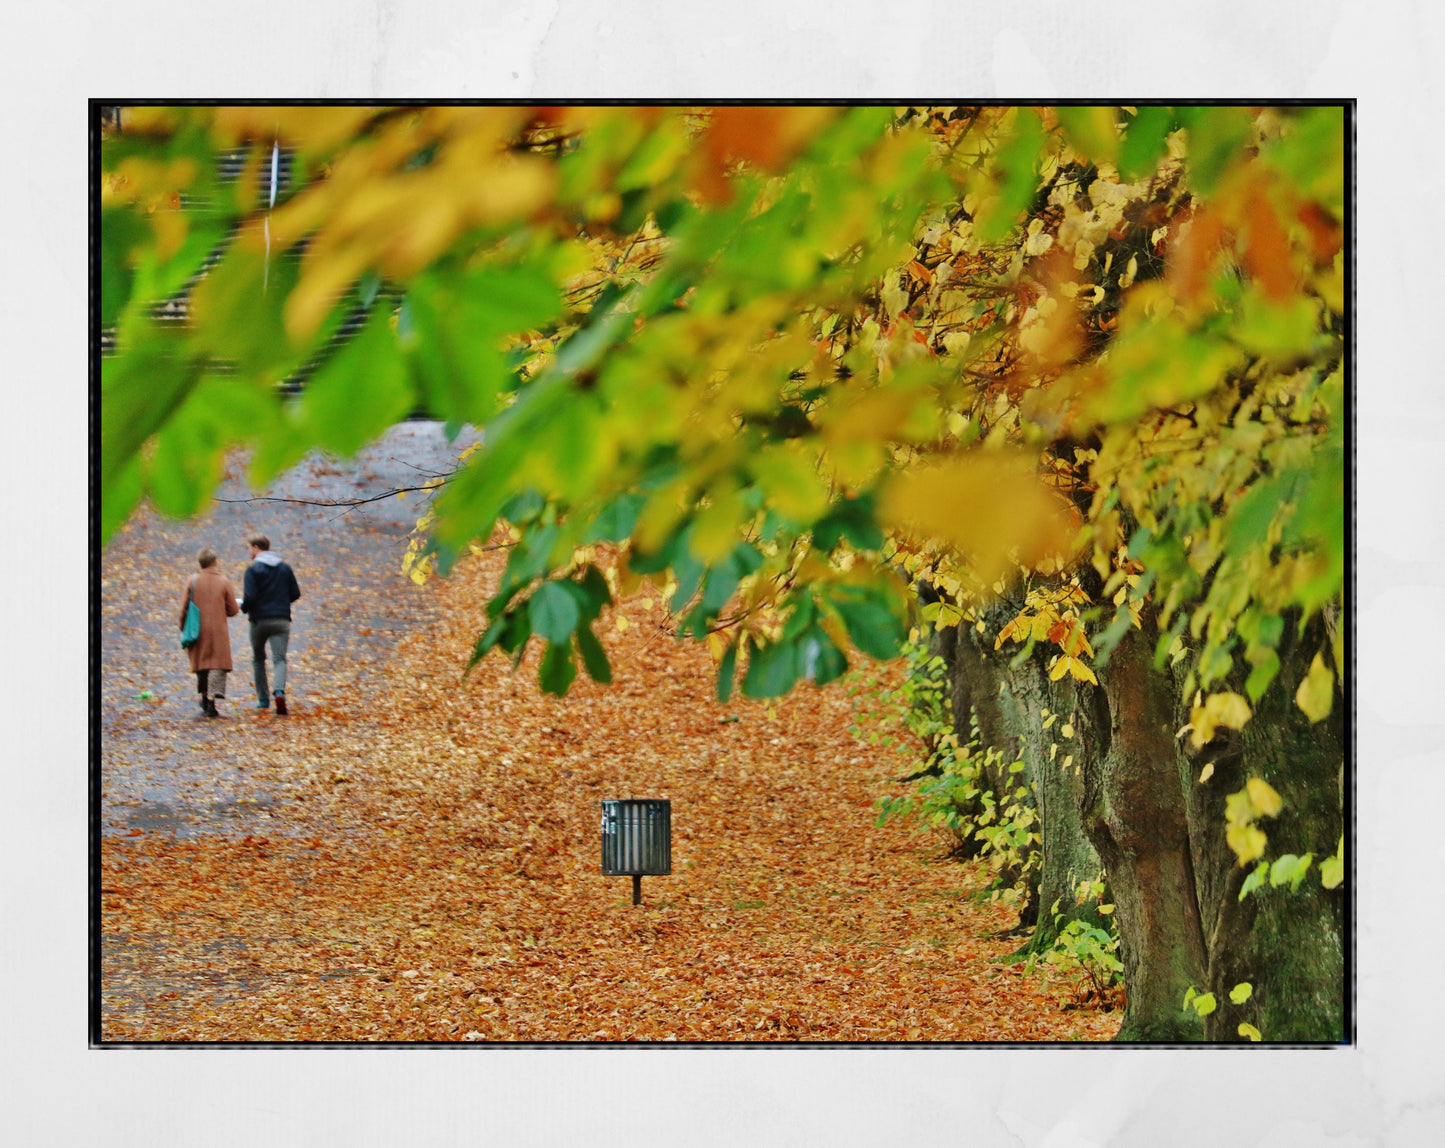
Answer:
(210, 707)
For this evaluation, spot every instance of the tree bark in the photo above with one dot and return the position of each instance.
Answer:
(1288, 945)
(1136, 810)
(1010, 703)
(1134, 813)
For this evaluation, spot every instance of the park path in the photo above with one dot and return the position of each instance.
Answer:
(165, 765)
(413, 856)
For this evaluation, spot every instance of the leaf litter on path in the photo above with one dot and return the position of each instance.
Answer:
(426, 866)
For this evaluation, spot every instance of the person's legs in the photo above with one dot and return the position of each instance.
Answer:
(279, 640)
(276, 633)
(278, 643)
(258, 663)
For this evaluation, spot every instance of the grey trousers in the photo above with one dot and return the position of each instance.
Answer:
(275, 632)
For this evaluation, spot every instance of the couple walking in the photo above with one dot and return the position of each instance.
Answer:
(267, 592)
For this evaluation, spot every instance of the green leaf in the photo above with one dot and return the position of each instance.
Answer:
(616, 521)
(119, 499)
(530, 559)
(1017, 164)
(452, 342)
(360, 391)
(723, 579)
(236, 313)
(122, 230)
(591, 593)
(688, 571)
(1241, 992)
(140, 390)
(517, 629)
(1265, 670)
(1217, 137)
(522, 508)
(486, 641)
(725, 671)
(1144, 142)
(555, 613)
(872, 626)
(1282, 870)
(853, 519)
(1254, 880)
(1091, 131)
(772, 670)
(1204, 1004)
(594, 657)
(557, 670)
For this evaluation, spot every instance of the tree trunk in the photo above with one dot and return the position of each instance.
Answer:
(1134, 814)
(1010, 704)
(1287, 945)
(1133, 806)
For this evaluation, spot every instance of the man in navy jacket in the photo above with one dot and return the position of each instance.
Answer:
(267, 593)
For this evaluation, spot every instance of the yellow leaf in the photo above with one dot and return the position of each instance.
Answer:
(1263, 797)
(1316, 694)
(1247, 842)
(1081, 671)
(985, 504)
(714, 531)
(1250, 1031)
(1206, 773)
(1332, 869)
(1226, 709)
(621, 622)
(1241, 992)
(1059, 668)
(1238, 809)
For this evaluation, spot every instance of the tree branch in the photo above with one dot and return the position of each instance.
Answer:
(346, 502)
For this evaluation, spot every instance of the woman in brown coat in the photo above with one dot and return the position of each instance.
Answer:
(211, 654)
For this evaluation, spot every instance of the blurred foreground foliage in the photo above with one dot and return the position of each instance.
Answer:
(786, 362)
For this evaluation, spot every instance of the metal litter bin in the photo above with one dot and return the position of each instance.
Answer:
(636, 840)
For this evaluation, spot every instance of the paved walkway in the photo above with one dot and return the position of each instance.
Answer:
(164, 767)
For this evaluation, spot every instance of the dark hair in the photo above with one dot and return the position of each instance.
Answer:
(207, 557)
(259, 541)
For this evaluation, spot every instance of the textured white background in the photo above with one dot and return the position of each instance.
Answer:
(1388, 1090)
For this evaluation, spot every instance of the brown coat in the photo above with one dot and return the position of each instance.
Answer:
(217, 602)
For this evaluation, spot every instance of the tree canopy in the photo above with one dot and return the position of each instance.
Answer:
(780, 355)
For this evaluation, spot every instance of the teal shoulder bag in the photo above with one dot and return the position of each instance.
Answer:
(191, 631)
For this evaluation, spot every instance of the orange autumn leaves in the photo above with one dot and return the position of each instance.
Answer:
(432, 873)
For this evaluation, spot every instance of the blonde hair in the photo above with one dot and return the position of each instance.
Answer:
(207, 557)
